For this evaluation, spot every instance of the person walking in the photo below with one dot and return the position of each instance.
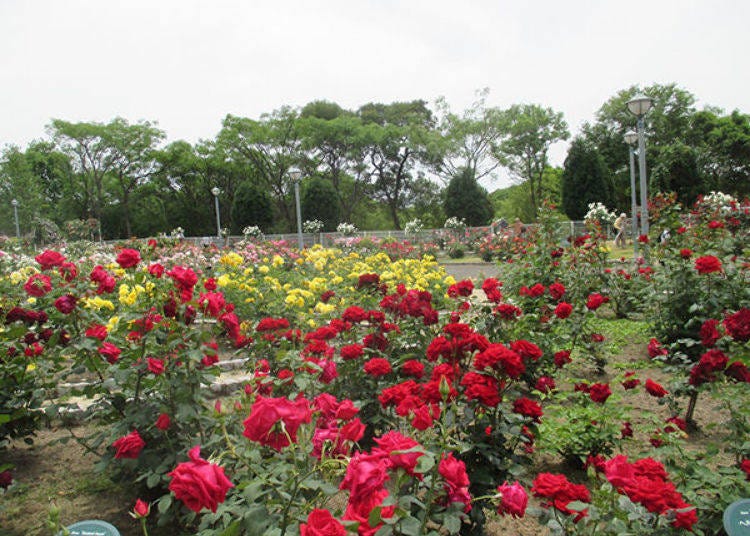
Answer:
(620, 228)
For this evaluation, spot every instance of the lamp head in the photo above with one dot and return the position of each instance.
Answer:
(215, 190)
(14, 202)
(295, 174)
(631, 137)
(640, 105)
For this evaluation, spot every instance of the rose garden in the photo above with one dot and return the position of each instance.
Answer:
(375, 394)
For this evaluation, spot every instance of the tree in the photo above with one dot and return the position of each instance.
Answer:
(320, 202)
(252, 206)
(466, 199)
(470, 138)
(677, 171)
(584, 180)
(272, 146)
(110, 160)
(398, 139)
(528, 131)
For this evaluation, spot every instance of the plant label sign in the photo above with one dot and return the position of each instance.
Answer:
(737, 518)
(92, 527)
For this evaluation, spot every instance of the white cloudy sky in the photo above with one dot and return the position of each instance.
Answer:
(187, 63)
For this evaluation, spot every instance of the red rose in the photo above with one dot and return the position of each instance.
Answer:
(129, 446)
(527, 350)
(513, 500)
(707, 264)
(423, 417)
(562, 358)
(556, 290)
(738, 371)
(155, 365)
(413, 368)
(528, 408)
(402, 451)
(275, 421)
(156, 270)
(595, 301)
(599, 392)
(365, 475)
(321, 523)
(49, 259)
(66, 304)
(654, 389)
(141, 509)
(708, 333)
(738, 325)
(560, 493)
(499, 357)
(745, 466)
(483, 388)
(377, 367)
(655, 349)
(545, 384)
(686, 253)
(199, 484)
(110, 352)
(97, 331)
(163, 422)
(563, 310)
(456, 481)
(128, 258)
(6, 479)
(38, 285)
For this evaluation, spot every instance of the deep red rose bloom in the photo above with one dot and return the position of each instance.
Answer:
(562, 358)
(38, 285)
(556, 290)
(545, 384)
(129, 446)
(49, 259)
(595, 300)
(508, 311)
(6, 479)
(483, 388)
(413, 368)
(655, 389)
(738, 325)
(626, 430)
(163, 422)
(708, 333)
(527, 350)
(707, 264)
(128, 258)
(462, 288)
(499, 357)
(513, 499)
(563, 310)
(528, 408)
(365, 475)
(686, 253)
(738, 371)
(630, 382)
(321, 523)
(199, 484)
(97, 331)
(110, 352)
(655, 349)
(378, 366)
(66, 304)
(745, 466)
(156, 270)
(351, 351)
(599, 392)
(274, 421)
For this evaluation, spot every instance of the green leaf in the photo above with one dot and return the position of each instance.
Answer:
(452, 524)
(410, 526)
(164, 503)
(424, 463)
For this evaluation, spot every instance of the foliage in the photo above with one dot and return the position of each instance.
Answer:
(252, 207)
(585, 179)
(466, 200)
(320, 202)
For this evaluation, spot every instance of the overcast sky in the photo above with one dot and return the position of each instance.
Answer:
(186, 64)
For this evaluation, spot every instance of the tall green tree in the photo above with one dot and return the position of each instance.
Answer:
(466, 199)
(320, 202)
(272, 145)
(584, 180)
(399, 138)
(677, 171)
(252, 206)
(528, 131)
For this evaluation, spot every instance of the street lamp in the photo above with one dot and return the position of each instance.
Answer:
(14, 202)
(639, 107)
(296, 176)
(631, 138)
(215, 190)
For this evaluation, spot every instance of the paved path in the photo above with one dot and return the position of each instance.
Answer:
(478, 271)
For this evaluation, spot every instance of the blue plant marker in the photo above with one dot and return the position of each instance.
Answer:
(93, 527)
(737, 518)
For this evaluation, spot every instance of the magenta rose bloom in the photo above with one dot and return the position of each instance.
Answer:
(456, 481)
(274, 421)
(128, 258)
(199, 484)
(163, 422)
(129, 446)
(513, 500)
